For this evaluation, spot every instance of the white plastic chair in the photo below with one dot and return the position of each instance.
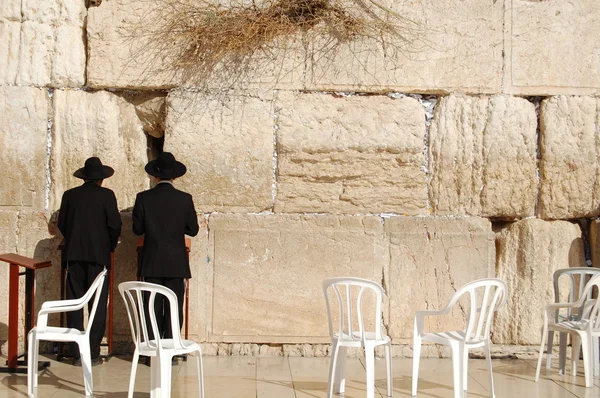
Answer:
(577, 278)
(50, 333)
(160, 350)
(347, 336)
(486, 296)
(585, 329)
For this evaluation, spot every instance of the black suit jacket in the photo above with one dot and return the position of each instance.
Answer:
(165, 215)
(90, 223)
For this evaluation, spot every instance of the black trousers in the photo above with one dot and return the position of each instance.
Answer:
(80, 276)
(161, 306)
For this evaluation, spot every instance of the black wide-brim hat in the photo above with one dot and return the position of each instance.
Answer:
(94, 170)
(165, 167)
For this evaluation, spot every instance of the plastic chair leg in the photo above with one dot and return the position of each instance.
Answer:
(416, 360)
(488, 357)
(596, 344)
(549, 349)
(457, 365)
(200, 373)
(465, 368)
(541, 353)
(388, 366)
(562, 354)
(332, 368)
(339, 380)
(575, 350)
(165, 375)
(155, 379)
(370, 362)
(86, 365)
(36, 358)
(30, 369)
(134, 364)
(586, 346)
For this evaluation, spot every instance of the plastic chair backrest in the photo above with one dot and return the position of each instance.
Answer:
(133, 295)
(486, 296)
(593, 315)
(94, 290)
(347, 307)
(575, 277)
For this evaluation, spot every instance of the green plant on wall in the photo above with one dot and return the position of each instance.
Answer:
(221, 43)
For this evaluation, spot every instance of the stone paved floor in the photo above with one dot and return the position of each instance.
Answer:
(301, 378)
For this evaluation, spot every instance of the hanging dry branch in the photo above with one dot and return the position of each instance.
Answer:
(203, 39)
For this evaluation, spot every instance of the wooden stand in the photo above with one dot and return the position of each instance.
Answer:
(30, 266)
(188, 246)
(109, 315)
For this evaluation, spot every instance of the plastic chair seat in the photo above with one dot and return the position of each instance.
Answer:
(52, 333)
(150, 348)
(456, 335)
(355, 340)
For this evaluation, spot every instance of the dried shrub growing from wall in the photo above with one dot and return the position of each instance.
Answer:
(205, 42)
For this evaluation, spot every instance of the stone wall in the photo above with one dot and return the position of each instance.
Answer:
(470, 152)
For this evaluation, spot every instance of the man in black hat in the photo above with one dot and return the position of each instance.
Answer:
(165, 215)
(89, 221)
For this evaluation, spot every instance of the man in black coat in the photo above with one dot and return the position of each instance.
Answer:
(165, 215)
(89, 221)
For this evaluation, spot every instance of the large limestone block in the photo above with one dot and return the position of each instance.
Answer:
(43, 43)
(23, 145)
(552, 47)
(268, 271)
(431, 258)
(99, 124)
(529, 252)
(227, 146)
(446, 46)
(482, 156)
(132, 45)
(350, 155)
(570, 149)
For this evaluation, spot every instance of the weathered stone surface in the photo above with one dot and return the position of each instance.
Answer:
(350, 155)
(8, 244)
(482, 157)
(37, 239)
(552, 47)
(98, 124)
(151, 109)
(431, 258)
(43, 43)
(227, 146)
(129, 48)
(570, 149)
(268, 271)
(200, 286)
(529, 252)
(118, 47)
(441, 41)
(23, 142)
